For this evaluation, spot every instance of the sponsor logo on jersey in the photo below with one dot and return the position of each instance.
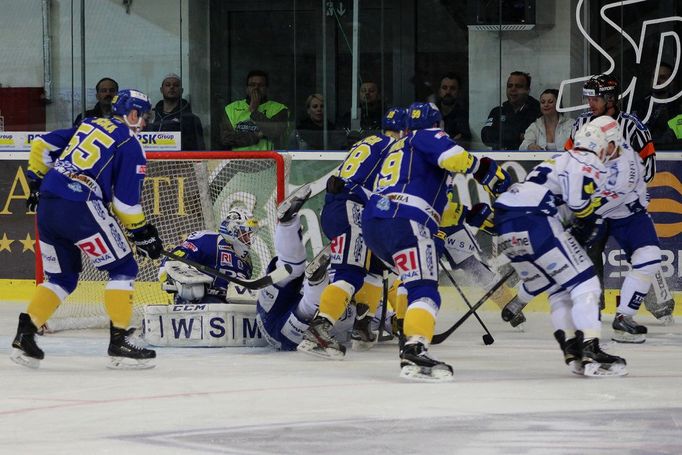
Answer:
(189, 246)
(383, 204)
(75, 187)
(97, 250)
(225, 258)
(517, 245)
(407, 264)
(141, 169)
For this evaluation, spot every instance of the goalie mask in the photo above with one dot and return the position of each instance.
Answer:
(238, 226)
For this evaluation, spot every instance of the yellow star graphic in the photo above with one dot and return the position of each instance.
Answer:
(27, 243)
(5, 243)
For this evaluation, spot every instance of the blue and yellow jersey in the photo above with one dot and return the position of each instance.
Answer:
(414, 178)
(101, 158)
(360, 167)
(212, 250)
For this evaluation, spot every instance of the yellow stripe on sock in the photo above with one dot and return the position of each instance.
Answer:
(419, 322)
(370, 295)
(503, 296)
(119, 306)
(43, 304)
(333, 302)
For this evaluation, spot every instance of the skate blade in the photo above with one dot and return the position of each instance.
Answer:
(360, 345)
(597, 370)
(126, 363)
(310, 348)
(576, 367)
(20, 358)
(425, 374)
(625, 337)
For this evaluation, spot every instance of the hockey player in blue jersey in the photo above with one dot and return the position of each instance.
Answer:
(404, 214)
(547, 258)
(78, 176)
(356, 273)
(227, 251)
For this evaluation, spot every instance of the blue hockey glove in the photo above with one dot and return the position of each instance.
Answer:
(492, 176)
(480, 216)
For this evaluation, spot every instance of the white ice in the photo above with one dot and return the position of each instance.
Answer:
(513, 397)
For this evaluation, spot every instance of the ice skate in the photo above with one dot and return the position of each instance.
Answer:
(513, 310)
(572, 349)
(318, 341)
(362, 336)
(290, 206)
(125, 353)
(626, 330)
(597, 363)
(417, 365)
(317, 268)
(25, 351)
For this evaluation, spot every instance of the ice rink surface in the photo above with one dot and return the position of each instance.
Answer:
(513, 397)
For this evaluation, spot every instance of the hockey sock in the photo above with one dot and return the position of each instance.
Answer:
(561, 307)
(397, 296)
(370, 295)
(305, 310)
(635, 287)
(289, 246)
(46, 298)
(118, 301)
(420, 319)
(335, 299)
(502, 296)
(585, 314)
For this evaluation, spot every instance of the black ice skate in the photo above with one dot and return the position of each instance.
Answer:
(417, 365)
(318, 341)
(290, 206)
(513, 312)
(572, 349)
(125, 353)
(25, 351)
(598, 363)
(626, 330)
(362, 336)
(316, 270)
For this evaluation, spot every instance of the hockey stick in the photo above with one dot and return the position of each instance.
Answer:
(487, 338)
(384, 309)
(440, 337)
(273, 277)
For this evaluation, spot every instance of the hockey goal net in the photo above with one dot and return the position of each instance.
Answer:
(185, 192)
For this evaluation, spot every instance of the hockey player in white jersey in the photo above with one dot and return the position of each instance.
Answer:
(625, 216)
(547, 258)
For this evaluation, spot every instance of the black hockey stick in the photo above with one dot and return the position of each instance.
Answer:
(487, 338)
(273, 277)
(384, 309)
(440, 337)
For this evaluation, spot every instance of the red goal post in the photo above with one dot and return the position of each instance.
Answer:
(185, 192)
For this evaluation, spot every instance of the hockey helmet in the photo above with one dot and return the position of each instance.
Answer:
(129, 99)
(395, 119)
(603, 85)
(596, 136)
(423, 115)
(238, 226)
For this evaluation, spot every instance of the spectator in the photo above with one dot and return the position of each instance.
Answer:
(661, 113)
(453, 109)
(255, 122)
(105, 89)
(506, 124)
(310, 130)
(551, 130)
(174, 113)
(370, 105)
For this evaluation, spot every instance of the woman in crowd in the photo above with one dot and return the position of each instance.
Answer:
(551, 130)
(310, 129)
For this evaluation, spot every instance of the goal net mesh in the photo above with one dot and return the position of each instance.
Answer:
(183, 194)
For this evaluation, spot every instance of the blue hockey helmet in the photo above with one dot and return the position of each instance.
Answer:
(395, 119)
(423, 115)
(129, 99)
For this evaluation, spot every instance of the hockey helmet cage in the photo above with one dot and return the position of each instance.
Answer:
(238, 226)
(603, 85)
(395, 119)
(423, 115)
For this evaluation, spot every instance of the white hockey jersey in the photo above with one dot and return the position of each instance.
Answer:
(624, 190)
(570, 178)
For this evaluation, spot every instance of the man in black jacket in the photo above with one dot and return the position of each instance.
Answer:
(173, 113)
(105, 89)
(506, 124)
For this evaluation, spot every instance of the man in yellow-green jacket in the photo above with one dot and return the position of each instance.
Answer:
(255, 122)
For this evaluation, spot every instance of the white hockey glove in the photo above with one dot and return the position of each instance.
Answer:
(186, 281)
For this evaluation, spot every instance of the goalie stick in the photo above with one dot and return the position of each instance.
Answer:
(488, 337)
(273, 277)
(440, 337)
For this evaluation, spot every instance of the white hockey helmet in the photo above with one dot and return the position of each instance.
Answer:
(596, 136)
(238, 226)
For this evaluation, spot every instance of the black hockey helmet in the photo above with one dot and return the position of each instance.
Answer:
(604, 85)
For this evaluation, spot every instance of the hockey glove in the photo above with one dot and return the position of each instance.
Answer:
(492, 176)
(480, 216)
(147, 241)
(32, 200)
(588, 231)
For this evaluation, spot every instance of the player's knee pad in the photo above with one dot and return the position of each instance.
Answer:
(127, 267)
(646, 260)
(335, 299)
(420, 319)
